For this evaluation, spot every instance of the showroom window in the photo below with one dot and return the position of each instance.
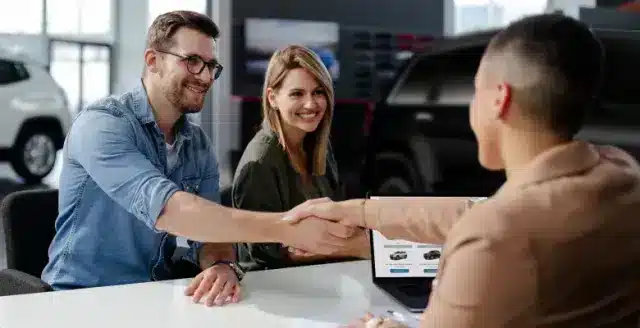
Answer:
(80, 17)
(473, 15)
(29, 21)
(158, 7)
(82, 70)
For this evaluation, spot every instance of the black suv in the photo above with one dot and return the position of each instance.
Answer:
(421, 142)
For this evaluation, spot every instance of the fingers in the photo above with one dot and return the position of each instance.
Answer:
(360, 322)
(237, 294)
(317, 201)
(218, 285)
(219, 293)
(300, 252)
(330, 244)
(194, 284)
(205, 285)
(340, 231)
(306, 209)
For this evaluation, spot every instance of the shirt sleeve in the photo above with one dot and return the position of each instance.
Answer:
(104, 145)
(255, 188)
(210, 190)
(484, 283)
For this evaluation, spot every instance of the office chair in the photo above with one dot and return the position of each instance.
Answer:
(28, 220)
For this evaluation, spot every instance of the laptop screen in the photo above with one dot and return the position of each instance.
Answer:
(403, 259)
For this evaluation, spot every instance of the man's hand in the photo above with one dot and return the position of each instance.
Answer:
(369, 321)
(348, 213)
(357, 246)
(318, 236)
(218, 284)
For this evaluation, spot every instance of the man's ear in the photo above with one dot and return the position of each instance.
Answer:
(502, 101)
(271, 98)
(151, 60)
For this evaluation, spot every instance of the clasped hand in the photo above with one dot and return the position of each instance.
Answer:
(323, 227)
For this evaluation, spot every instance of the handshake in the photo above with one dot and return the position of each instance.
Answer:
(324, 227)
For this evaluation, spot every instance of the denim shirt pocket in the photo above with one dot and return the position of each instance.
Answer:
(191, 185)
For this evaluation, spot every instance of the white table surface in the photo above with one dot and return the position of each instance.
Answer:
(313, 296)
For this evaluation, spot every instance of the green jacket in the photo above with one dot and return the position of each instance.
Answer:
(265, 181)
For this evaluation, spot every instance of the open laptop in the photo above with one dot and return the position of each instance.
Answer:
(403, 269)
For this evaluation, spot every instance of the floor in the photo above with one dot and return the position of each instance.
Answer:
(10, 182)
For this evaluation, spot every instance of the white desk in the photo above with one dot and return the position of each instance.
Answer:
(312, 296)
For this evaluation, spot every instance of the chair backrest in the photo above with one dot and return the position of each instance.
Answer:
(28, 219)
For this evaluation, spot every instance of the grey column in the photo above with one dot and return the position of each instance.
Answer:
(223, 133)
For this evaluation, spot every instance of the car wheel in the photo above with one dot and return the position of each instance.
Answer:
(34, 155)
(394, 185)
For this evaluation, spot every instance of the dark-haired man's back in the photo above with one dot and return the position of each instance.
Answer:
(556, 246)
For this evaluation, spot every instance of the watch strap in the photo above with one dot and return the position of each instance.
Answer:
(234, 266)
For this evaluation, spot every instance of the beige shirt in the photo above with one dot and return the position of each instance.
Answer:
(557, 246)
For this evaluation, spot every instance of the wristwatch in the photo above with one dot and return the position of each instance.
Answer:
(237, 269)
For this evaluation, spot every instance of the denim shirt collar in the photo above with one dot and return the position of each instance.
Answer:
(143, 112)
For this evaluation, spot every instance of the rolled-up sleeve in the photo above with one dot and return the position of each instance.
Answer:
(103, 143)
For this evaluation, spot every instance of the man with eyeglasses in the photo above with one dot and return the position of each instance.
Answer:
(137, 175)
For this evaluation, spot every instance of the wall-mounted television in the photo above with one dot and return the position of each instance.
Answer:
(264, 36)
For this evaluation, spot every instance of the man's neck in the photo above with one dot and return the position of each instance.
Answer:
(165, 114)
(520, 148)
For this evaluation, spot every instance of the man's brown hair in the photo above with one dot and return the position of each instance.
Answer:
(160, 34)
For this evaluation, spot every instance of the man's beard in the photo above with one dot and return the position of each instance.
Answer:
(182, 99)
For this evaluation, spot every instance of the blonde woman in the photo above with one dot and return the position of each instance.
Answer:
(289, 160)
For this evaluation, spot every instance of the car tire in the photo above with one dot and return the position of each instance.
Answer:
(33, 156)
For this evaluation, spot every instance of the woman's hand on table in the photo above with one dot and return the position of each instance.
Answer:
(370, 321)
(218, 285)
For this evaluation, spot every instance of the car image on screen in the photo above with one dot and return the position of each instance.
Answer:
(432, 255)
(399, 255)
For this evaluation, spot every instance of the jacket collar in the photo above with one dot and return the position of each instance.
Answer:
(144, 113)
(562, 160)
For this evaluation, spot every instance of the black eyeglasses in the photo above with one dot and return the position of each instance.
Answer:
(195, 64)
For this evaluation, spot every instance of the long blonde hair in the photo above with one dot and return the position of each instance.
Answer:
(281, 63)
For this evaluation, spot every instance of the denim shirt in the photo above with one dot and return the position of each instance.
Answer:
(113, 186)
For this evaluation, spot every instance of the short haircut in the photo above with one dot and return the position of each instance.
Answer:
(558, 62)
(161, 31)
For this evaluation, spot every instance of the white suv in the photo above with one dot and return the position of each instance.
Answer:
(34, 117)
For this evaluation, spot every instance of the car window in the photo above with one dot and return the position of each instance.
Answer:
(454, 81)
(622, 69)
(11, 72)
(415, 87)
(439, 79)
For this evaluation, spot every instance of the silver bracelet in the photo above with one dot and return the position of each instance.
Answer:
(475, 200)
